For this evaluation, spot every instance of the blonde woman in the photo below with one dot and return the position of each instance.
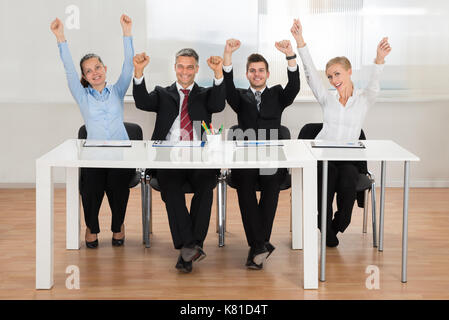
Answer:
(344, 112)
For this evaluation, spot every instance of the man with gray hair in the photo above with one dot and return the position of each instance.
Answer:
(177, 108)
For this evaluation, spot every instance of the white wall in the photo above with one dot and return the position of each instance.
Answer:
(30, 130)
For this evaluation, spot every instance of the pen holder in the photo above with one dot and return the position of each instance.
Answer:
(213, 141)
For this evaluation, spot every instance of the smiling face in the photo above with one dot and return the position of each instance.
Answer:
(257, 75)
(94, 72)
(339, 77)
(186, 68)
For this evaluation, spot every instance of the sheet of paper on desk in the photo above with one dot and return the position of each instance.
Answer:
(259, 143)
(182, 144)
(107, 143)
(334, 144)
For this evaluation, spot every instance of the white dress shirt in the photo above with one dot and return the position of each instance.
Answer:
(340, 123)
(175, 130)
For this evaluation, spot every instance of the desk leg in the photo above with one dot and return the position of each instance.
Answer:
(297, 208)
(405, 222)
(323, 221)
(72, 209)
(310, 232)
(382, 205)
(44, 226)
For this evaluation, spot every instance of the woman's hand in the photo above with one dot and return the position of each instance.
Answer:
(127, 24)
(296, 31)
(140, 61)
(216, 64)
(383, 49)
(57, 27)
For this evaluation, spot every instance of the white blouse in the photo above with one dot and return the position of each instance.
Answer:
(340, 123)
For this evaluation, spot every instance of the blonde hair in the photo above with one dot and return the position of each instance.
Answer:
(343, 61)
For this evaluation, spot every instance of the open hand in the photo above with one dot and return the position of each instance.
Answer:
(296, 31)
(383, 49)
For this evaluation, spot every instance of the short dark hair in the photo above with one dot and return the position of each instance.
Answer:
(187, 52)
(255, 57)
(88, 56)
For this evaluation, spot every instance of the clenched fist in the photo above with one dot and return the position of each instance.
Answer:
(285, 47)
(216, 64)
(140, 61)
(57, 27)
(126, 24)
(232, 45)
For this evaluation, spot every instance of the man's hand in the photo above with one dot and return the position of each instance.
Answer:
(232, 45)
(383, 49)
(285, 47)
(140, 61)
(57, 27)
(216, 64)
(127, 24)
(296, 31)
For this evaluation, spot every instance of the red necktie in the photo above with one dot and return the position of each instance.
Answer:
(186, 124)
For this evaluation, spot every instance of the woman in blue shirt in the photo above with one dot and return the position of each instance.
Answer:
(101, 106)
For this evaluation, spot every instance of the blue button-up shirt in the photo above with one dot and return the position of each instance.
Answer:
(102, 112)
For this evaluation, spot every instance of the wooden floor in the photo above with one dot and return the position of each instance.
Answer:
(133, 272)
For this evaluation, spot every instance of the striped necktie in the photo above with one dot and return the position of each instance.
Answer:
(257, 94)
(186, 124)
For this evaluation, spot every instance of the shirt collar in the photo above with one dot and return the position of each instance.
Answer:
(179, 87)
(107, 89)
(254, 90)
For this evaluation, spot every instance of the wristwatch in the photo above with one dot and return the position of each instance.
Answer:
(291, 57)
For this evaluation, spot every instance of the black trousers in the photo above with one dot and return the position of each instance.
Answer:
(187, 229)
(258, 217)
(94, 182)
(341, 180)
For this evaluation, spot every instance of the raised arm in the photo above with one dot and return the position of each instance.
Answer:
(312, 76)
(77, 90)
(216, 99)
(373, 87)
(291, 90)
(232, 95)
(124, 80)
(144, 100)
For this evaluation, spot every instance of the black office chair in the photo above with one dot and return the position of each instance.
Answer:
(134, 133)
(365, 184)
(234, 133)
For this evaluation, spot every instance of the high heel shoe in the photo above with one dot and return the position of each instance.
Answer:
(92, 244)
(119, 242)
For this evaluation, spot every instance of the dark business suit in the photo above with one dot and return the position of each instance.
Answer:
(258, 217)
(186, 229)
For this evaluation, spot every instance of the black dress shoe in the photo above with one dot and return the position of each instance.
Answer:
(256, 258)
(252, 265)
(270, 248)
(92, 244)
(183, 266)
(118, 242)
(195, 253)
(331, 238)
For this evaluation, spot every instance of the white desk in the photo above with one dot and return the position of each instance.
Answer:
(376, 150)
(71, 155)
